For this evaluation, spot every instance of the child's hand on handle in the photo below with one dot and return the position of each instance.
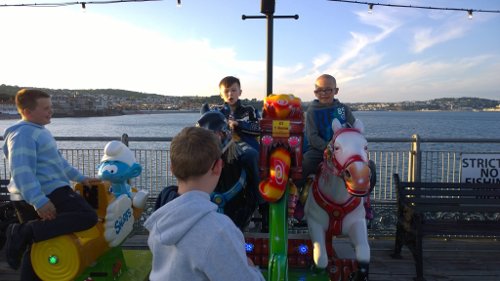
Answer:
(47, 211)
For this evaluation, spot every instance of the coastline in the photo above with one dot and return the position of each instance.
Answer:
(4, 116)
(9, 116)
(130, 112)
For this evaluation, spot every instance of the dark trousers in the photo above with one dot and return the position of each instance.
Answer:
(250, 158)
(73, 214)
(310, 162)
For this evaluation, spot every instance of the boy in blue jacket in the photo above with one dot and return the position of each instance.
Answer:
(244, 123)
(243, 119)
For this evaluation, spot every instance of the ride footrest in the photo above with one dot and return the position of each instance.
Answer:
(299, 252)
(340, 269)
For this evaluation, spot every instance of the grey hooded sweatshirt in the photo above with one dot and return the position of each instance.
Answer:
(191, 241)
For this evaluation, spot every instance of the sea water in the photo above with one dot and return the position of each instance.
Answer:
(378, 124)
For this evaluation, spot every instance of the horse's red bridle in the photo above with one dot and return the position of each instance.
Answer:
(339, 168)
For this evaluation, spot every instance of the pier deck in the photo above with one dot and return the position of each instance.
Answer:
(456, 259)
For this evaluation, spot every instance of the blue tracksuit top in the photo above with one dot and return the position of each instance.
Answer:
(36, 165)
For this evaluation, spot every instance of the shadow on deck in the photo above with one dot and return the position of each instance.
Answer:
(444, 260)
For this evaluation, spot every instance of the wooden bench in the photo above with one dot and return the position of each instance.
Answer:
(7, 210)
(443, 210)
(4, 192)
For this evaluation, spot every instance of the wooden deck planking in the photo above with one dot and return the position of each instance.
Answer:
(453, 260)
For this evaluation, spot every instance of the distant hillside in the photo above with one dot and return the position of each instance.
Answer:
(7, 94)
(455, 104)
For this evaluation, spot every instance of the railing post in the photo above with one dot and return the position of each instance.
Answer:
(414, 162)
(125, 139)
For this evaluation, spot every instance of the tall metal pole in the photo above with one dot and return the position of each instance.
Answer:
(278, 230)
(267, 8)
(270, 21)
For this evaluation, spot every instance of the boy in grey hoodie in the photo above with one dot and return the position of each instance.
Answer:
(188, 238)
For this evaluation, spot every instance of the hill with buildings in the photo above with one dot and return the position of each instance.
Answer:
(104, 102)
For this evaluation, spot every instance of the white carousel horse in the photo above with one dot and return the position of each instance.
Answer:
(335, 204)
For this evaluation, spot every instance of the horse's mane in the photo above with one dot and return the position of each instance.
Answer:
(231, 152)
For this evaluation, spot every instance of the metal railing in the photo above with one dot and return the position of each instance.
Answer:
(414, 159)
(404, 156)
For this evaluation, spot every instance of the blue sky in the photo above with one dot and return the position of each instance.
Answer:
(389, 55)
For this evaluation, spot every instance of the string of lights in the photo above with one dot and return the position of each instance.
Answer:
(371, 5)
(83, 4)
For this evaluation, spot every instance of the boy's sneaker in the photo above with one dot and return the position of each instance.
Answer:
(15, 245)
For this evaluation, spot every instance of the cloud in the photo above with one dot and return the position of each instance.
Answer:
(369, 68)
(423, 80)
(452, 28)
(65, 48)
(359, 54)
(321, 60)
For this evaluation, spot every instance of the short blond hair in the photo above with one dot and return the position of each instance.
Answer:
(193, 152)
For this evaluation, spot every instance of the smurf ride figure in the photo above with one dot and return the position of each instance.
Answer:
(117, 166)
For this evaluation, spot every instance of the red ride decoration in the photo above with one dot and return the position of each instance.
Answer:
(273, 188)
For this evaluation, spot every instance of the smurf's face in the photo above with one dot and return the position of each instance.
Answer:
(113, 171)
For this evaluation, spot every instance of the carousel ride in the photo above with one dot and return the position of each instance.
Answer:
(334, 203)
(333, 206)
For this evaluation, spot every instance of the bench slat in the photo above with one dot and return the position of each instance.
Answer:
(453, 201)
(449, 192)
(422, 208)
(443, 185)
(4, 192)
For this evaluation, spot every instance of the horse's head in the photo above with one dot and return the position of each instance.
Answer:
(347, 156)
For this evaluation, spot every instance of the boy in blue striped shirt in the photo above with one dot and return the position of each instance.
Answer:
(41, 177)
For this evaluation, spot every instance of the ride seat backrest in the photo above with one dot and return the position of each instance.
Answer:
(24, 211)
(91, 195)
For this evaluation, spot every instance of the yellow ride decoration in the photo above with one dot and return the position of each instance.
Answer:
(68, 256)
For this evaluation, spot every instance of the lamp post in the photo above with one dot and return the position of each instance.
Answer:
(278, 230)
(267, 8)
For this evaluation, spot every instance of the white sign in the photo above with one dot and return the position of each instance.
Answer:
(480, 168)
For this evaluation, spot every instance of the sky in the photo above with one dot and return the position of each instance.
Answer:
(389, 55)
